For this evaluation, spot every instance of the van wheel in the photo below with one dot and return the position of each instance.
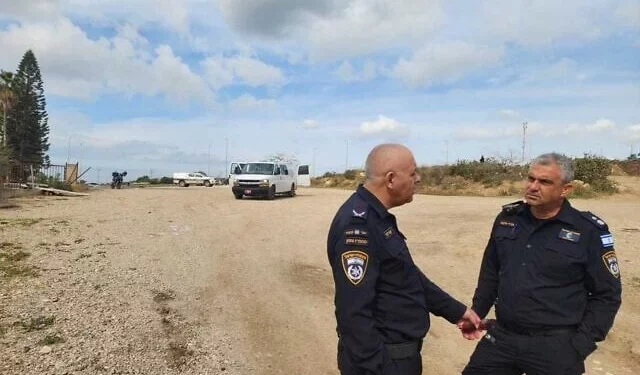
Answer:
(292, 192)
(207, 183)
(238, 196)
(272, 193)
(181, 183)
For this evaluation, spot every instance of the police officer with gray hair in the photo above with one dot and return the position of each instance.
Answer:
(552, 273)
(383, 300)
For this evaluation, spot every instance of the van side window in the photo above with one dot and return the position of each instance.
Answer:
(284, 170)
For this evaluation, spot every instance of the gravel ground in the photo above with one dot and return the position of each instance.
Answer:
(191, 281)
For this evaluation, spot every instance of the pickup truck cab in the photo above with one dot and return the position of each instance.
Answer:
(265, 179)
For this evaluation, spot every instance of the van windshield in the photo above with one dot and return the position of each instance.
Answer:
(258, 168)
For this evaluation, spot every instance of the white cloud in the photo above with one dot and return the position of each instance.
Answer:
(383, 126)
(254, 72)
(29, 9)
(537, 23)
(247, 101)
(445, 63)
(171, 14)
(629, 13)
(347, 73)
(631, 133)
(309, 124)
(74, 65)
(221, 71)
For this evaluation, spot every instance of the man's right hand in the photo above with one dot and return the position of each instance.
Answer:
(470, 325)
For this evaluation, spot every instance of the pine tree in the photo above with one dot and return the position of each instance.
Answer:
(28, 123)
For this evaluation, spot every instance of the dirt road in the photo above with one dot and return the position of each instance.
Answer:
(192, 281)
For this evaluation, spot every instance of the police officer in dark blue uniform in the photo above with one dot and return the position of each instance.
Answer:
(553, 275)
(382, 298)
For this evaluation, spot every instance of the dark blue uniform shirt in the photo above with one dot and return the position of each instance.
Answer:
(381, 297)
(545, 274)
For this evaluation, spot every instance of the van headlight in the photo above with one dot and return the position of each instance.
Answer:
(264, 182)
(236, 183)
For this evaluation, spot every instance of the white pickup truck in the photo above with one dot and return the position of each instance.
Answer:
(184, 179)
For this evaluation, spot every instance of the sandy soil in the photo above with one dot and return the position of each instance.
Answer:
(192, 281)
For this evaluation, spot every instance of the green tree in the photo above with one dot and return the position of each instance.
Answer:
(28, 123)
(6, 101)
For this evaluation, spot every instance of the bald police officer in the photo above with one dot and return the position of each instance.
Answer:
(553, 275)
(382, 298)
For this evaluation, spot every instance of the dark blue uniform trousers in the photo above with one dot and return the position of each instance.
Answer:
(399, 362)
(502, 352)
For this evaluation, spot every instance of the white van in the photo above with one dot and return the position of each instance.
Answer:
(265, 179)
(235, 169)
(304, 178)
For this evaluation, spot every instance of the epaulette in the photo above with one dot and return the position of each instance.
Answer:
(593, 219)
(359, 212)
(512, 208)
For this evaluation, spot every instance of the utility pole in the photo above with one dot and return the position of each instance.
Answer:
(313, 163)
(446, 152)
(98, 176)
(346, 162)
(226, 156)
(524, 137)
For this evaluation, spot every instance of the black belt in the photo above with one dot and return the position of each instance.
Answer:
(403, 350)
(547, 331)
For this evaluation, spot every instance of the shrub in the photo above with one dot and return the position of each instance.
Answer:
(594, 171)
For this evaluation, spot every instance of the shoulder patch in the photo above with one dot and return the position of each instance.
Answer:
(354, 265)
(593, 219)
(611, 263)
(512, 208)
(388, 233)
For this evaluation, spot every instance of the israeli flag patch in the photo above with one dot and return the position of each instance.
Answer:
(607, 240)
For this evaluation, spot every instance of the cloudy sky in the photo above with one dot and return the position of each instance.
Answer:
(156, 86)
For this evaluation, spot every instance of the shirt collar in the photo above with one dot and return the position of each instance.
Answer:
(372, 200)
(566, 213)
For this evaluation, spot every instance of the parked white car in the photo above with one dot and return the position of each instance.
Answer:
(184, 179)
(265, 179)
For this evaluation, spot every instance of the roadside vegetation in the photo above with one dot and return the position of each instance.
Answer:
(496, 177)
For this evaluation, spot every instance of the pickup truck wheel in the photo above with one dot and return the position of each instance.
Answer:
(238, 196)
(207, 183)
(181, 183)
(272, 193)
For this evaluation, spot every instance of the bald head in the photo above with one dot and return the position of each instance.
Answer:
(384, 158)
(391, 174)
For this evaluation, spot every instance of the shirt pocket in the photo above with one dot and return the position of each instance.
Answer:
(505, 242)
(560, 260)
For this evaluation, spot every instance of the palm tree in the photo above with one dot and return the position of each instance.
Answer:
(6, 101)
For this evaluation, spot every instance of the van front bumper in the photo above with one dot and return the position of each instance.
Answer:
(251, 191)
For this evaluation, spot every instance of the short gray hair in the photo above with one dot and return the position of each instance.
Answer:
(565, 164)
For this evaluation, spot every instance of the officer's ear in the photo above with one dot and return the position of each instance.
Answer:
(566, 189)
(388, 179)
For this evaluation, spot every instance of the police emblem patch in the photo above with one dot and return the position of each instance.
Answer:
(569, 235)
(354, 264)
(611, 262)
